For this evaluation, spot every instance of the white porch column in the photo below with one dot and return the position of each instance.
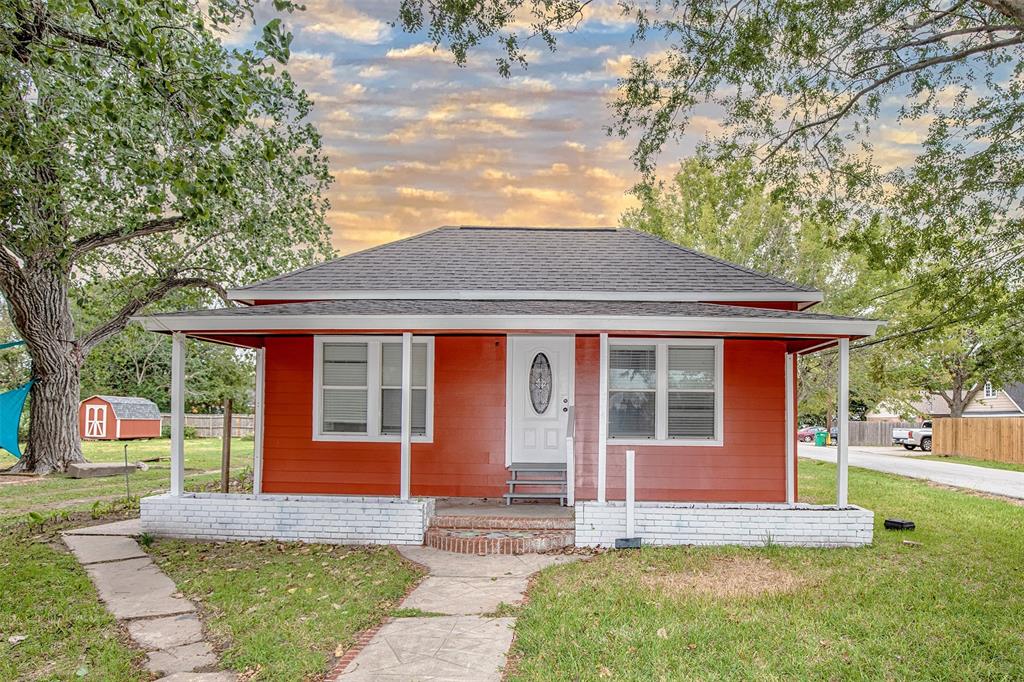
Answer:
(843, 415)
(178, 414)
(790, 429)
(257, 423)
(602, 423)
(406, 414)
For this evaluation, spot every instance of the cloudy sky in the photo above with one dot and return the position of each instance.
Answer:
(416, 142)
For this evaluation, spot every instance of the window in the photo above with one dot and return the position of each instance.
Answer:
(665, 391)
(990, 392)
(357, 388)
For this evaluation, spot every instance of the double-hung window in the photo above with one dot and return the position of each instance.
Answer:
(357, 388)
(665, 391)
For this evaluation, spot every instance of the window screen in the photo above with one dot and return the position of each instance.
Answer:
(391, 388)
(691, 392)
(632, 385)
(344, 387)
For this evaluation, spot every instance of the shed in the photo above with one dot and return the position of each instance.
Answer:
(111, 417)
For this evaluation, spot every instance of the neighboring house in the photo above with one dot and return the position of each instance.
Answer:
(448, 364)
(1006, 401)
(112, 417)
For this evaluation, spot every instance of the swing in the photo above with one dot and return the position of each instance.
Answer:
(11, 405)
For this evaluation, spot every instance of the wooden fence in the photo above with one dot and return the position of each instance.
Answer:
(999, 439)
(874, 433)
(212, 425)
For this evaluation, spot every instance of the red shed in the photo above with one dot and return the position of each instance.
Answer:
(111, 417)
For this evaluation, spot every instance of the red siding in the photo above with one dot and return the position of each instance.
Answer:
(748, 467)
(140, 428)
(467, 457)
(109, 418)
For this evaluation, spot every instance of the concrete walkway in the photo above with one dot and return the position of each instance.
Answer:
(158, 618)
(982, 479)
(463, 644)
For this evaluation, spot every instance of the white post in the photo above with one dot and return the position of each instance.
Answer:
(602, 424)
(178, 414)
(257, 422)
(842, 450)
(570, 472)
(630, 494)
(790, 428)
(406, 413)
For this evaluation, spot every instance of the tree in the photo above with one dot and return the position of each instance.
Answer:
(139, 153)
(801, 88)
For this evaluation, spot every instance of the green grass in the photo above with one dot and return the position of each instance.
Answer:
(1008, 466)
(950, 608)
(280, 611)
(59, 492)
(46, 596)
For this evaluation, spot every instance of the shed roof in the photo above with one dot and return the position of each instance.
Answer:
(527, 262)
(131, 407)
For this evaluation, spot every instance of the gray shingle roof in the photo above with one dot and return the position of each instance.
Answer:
(130, 407)
(528, 259)
(502, 307)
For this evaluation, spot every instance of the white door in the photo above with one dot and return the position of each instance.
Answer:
(95, 421)
(540, 395)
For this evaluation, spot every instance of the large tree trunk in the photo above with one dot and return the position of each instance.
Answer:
(41, 312)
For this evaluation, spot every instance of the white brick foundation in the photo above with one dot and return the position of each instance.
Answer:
(668, 523)
(337, 519)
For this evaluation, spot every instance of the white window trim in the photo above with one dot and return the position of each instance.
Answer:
(988, 391)
(373, 413)
(661, 345)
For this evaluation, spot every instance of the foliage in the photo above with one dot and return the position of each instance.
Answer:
(140, 157)
(137, 362)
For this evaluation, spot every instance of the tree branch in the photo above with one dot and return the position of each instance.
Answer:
(1014, 9)
(95, 241)
(889, 77)
(164, 287)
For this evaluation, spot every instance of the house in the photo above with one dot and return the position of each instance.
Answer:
(990, 401)
(112, 417)
(456, 363)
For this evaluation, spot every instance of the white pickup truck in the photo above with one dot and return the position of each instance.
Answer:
(914, 438)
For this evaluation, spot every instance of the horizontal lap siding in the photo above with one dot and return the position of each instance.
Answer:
(139, 428)
(467, 457)
(750, 465)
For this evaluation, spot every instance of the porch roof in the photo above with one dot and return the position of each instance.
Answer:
(419, 314)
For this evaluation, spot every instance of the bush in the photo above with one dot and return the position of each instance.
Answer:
(190, 432)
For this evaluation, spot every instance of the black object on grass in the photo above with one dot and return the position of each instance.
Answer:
(899, 524)
(627, 543)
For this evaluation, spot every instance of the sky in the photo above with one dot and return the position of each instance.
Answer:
(416, 142)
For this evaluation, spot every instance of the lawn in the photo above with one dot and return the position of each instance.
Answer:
(951, 607)
(47, 598)
(1008, 466)
(282, 611)
(58, 492)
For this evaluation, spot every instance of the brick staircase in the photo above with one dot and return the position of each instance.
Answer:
(490, 534)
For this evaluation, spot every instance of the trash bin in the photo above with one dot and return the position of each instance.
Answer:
(819, 438)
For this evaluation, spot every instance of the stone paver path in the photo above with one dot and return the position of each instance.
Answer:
(463, 644)
(136, 591)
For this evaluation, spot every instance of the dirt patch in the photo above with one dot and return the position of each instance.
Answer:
(727, 577)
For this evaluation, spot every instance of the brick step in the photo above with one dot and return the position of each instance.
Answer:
(502, 522)
(498, 541)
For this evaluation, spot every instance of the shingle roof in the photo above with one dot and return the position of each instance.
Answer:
(528, 259)
(130, 407)
(503, 307)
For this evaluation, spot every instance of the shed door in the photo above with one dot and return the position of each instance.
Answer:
(95, 421)
(540, 396)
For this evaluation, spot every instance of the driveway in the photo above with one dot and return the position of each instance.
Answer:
(891, 461)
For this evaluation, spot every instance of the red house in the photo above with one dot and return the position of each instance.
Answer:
(647, 387)
(112, 417)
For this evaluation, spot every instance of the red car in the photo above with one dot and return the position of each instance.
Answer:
(806, 434)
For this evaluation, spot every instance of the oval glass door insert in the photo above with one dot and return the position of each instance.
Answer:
(540, 383)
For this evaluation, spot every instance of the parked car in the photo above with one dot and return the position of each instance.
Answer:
(920, 437)
(806, 434)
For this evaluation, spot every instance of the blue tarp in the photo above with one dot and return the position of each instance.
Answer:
(10, 344)
(11, 404)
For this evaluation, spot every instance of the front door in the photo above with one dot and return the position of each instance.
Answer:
(95, 421)
(540, 395)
